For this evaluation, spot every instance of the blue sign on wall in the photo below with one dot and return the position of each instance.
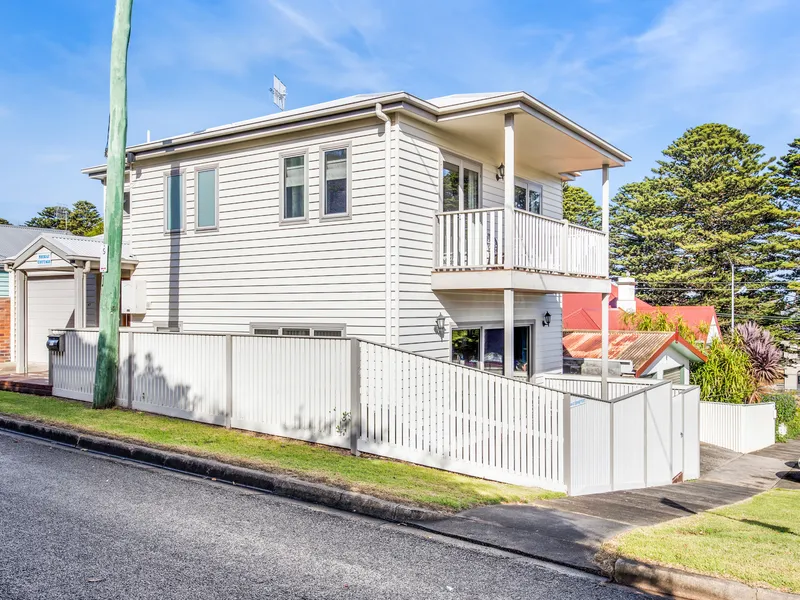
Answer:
(44, 258)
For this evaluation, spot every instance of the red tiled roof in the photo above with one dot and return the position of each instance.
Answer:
(583, 311)
(642, 348)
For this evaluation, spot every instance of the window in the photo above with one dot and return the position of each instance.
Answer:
(293, 188)
(483, 348)
(528, 196)
(168, 327)
(460, 184)
(335, 182)
(126, 204)
(173, 196)
(294, 330)
(206, 198)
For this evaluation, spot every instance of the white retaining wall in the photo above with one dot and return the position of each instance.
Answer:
(738, 427)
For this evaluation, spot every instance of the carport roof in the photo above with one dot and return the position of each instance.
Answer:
(68, 247)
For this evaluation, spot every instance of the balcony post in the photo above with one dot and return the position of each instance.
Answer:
(564, 242)
(606, 296)
(508, 213)
(508, 333)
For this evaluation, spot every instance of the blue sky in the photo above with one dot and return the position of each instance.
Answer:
(637, 72)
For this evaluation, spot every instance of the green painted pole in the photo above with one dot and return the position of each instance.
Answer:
(105, 381)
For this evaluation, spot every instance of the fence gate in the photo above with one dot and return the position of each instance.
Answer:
(677, 435)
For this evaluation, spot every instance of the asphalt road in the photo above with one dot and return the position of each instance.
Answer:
(77, 525)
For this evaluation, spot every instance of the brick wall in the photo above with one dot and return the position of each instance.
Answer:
(5, 329)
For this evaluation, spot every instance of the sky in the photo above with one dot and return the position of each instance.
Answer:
(638, 73)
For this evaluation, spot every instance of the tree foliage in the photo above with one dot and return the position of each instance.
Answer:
(725, 376)
(765, 356)
(4, 221)
(81, 219)
(659, 321)
(712, 199)
(580, 208)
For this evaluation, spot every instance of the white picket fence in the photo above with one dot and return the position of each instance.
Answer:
(738, 427)
(389, 402)
(587, 385)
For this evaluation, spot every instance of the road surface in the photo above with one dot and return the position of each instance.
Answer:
(79, 525)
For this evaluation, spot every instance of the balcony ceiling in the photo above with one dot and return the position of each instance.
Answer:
(539, 144)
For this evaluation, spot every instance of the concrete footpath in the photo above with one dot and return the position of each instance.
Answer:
(570, 531)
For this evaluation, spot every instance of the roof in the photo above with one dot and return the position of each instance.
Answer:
(642, 348)
(583, 311)
(363, 105)
(14, 238)
(69, 247)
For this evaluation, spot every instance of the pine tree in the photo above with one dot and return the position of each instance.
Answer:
(580, 208)
(710, 201)
(81, 219)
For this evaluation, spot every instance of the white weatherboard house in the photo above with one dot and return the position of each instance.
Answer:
(430, 225)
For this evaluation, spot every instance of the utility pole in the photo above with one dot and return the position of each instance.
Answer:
(732, 295)
(105, 382)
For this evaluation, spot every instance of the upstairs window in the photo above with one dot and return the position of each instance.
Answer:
(294, 188)
(460, 184)
(206, 203)
(174, 202)
(335, 182)
(528, 196)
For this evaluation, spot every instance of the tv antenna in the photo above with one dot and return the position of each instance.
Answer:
(62, 212)
(278, 90)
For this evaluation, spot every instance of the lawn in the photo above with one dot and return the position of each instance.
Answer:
(756, 542)
(388, 479)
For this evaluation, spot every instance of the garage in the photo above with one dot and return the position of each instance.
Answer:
(51, 305)
(56, 285)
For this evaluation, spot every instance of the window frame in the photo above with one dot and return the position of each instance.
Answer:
(529, 325)
(126, 215)
(170, 327)
(527, 183)
(463, 163)
(167, 175)
(197, 170)
(282, 189)
(312, 328)
(323, 182)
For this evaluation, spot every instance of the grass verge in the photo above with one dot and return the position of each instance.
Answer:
(388, 479)
(756, 541)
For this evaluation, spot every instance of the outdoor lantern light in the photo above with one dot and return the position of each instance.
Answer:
(501, 172)
(546, 320)
(439, 328)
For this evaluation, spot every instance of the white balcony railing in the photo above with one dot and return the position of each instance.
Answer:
(474, 239)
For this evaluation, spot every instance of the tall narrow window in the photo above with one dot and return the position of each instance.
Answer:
(461, 184)
(466, 347)
(450, 186)
(206, 198)
(126, 204)
(173, 195)
(294, 187)
(335, 200)
(528, 196)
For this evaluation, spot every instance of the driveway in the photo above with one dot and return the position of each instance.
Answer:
(571, 530)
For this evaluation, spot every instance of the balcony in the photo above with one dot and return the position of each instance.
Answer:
(547, 255)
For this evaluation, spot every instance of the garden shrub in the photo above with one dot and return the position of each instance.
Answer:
(786, 407)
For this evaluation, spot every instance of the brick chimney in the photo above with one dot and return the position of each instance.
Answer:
(626, 294)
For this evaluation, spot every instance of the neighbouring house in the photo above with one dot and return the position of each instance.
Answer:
(644, 354)
(13, 239)
(583, 311)
(434, 226)
(53, 272)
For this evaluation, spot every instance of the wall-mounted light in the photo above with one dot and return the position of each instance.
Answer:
(440, 328)
(546, 319)
(501, 172)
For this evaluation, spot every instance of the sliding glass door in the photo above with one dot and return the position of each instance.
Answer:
(483, 348)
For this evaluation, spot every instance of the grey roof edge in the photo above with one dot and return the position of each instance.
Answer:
(395, 101)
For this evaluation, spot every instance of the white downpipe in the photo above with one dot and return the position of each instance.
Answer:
(396, 176)
(388, 217)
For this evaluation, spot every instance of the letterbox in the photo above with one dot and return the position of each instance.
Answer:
(55, 343)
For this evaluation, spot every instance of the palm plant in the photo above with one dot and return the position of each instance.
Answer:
(764, 354)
